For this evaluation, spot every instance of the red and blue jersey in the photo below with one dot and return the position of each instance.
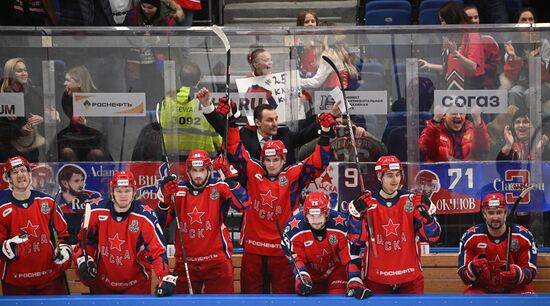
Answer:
(73, 211)
(202, 213)
(317, 255)
(477, 241)
(38, 217)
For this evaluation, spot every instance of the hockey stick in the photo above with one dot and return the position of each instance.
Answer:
(355, 154)
(509, 224)
(218, 31)
(289, 257)
(85, 225)
(178, 225)
(56, 238)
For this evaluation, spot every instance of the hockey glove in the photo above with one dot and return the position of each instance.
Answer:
(87, 269)
(303, 284)
(326, 120)
(513, 276)
(222, 165)
(168, 187)
(13, 246)
(479, 266)
(166, 286)
(358, 206)
(227, 106)
(420, 212)
(63, 258)
(356, 289)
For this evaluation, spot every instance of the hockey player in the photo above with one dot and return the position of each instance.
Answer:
(202, 204)
(399, 219)
(274, 193)
(315, 239)
(72, 197)
(31, 259)
(482, 258)
(123, 240)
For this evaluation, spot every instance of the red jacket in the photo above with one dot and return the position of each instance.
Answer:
(436, 141)
(194, 5)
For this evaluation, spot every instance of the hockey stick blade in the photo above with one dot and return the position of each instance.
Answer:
(218, 31)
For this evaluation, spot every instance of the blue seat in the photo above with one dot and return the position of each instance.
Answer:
(372, 81)
(388, 4)
(388, 17)
(429, 16)
(431, 4)
(374, 67)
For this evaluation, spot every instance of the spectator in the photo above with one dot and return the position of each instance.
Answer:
(274, 193)
(189, 7)
(449, 137)
(485, 269)
(306, 50)
(260, 61)
(158, 13)
(184, 127)
(34, 13)
(78, 141)
(398, 219)
(516, 63)
(22, 135)
(266, 120)
(315, 242)
(205, 237)
(34, 259)
(463, 57)
(122, 242)
(518, 139)
(491, 51)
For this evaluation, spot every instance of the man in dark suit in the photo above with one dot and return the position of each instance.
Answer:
(266, 121)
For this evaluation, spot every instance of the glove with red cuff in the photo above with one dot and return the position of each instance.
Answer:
(513, 276)
(12, 247)
(228, 107)
(327, 123)
(360, 205)
(420, 211)
(479, 266)
(87, 269)
(221, 165)
(357, 289)
(168, 187)
(303, 284)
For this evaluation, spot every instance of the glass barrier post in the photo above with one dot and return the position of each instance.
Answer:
(50, 131)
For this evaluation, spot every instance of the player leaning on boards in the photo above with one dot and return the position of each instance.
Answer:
(32, 261)
(120, 242)
(484, 252)
(315, 243)
(202, 204)
(400, 220)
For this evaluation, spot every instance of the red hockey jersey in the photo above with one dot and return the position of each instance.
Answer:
(124, 245)
(272, 200)
(35, 217)
(477, 240)
(317, 257)
(202, 214)
(397, 235)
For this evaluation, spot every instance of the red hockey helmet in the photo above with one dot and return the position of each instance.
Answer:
(425, 177)
(198, 158)
(123, 179)
(494, 200)
(274, 148)
(316, 203)
(387, 163)
(15, 162)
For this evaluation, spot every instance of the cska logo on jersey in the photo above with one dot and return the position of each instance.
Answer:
(134, 226)
(214, 194)
(283, 181)
(44, 208)
(514, 246)
(409, 207)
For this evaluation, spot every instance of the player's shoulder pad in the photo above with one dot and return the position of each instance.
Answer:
(145, 210)
(295, 224)
(338, 220)
(474, 230)
(523, 231)
(41, 195)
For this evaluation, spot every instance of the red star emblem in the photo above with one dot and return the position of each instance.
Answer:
(196, 215)
(30, 229)
(268, 198)
(321, 256)
(497, 262)
(471, 229)
(339, 220)
(325, 178)
(116, 243)
(391, 228)
(522, 228)
(294, 223)
(147, 208)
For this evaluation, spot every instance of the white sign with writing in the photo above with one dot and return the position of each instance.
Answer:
(359, 102)
(12, 104)
(124, 104)
(464, 101)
